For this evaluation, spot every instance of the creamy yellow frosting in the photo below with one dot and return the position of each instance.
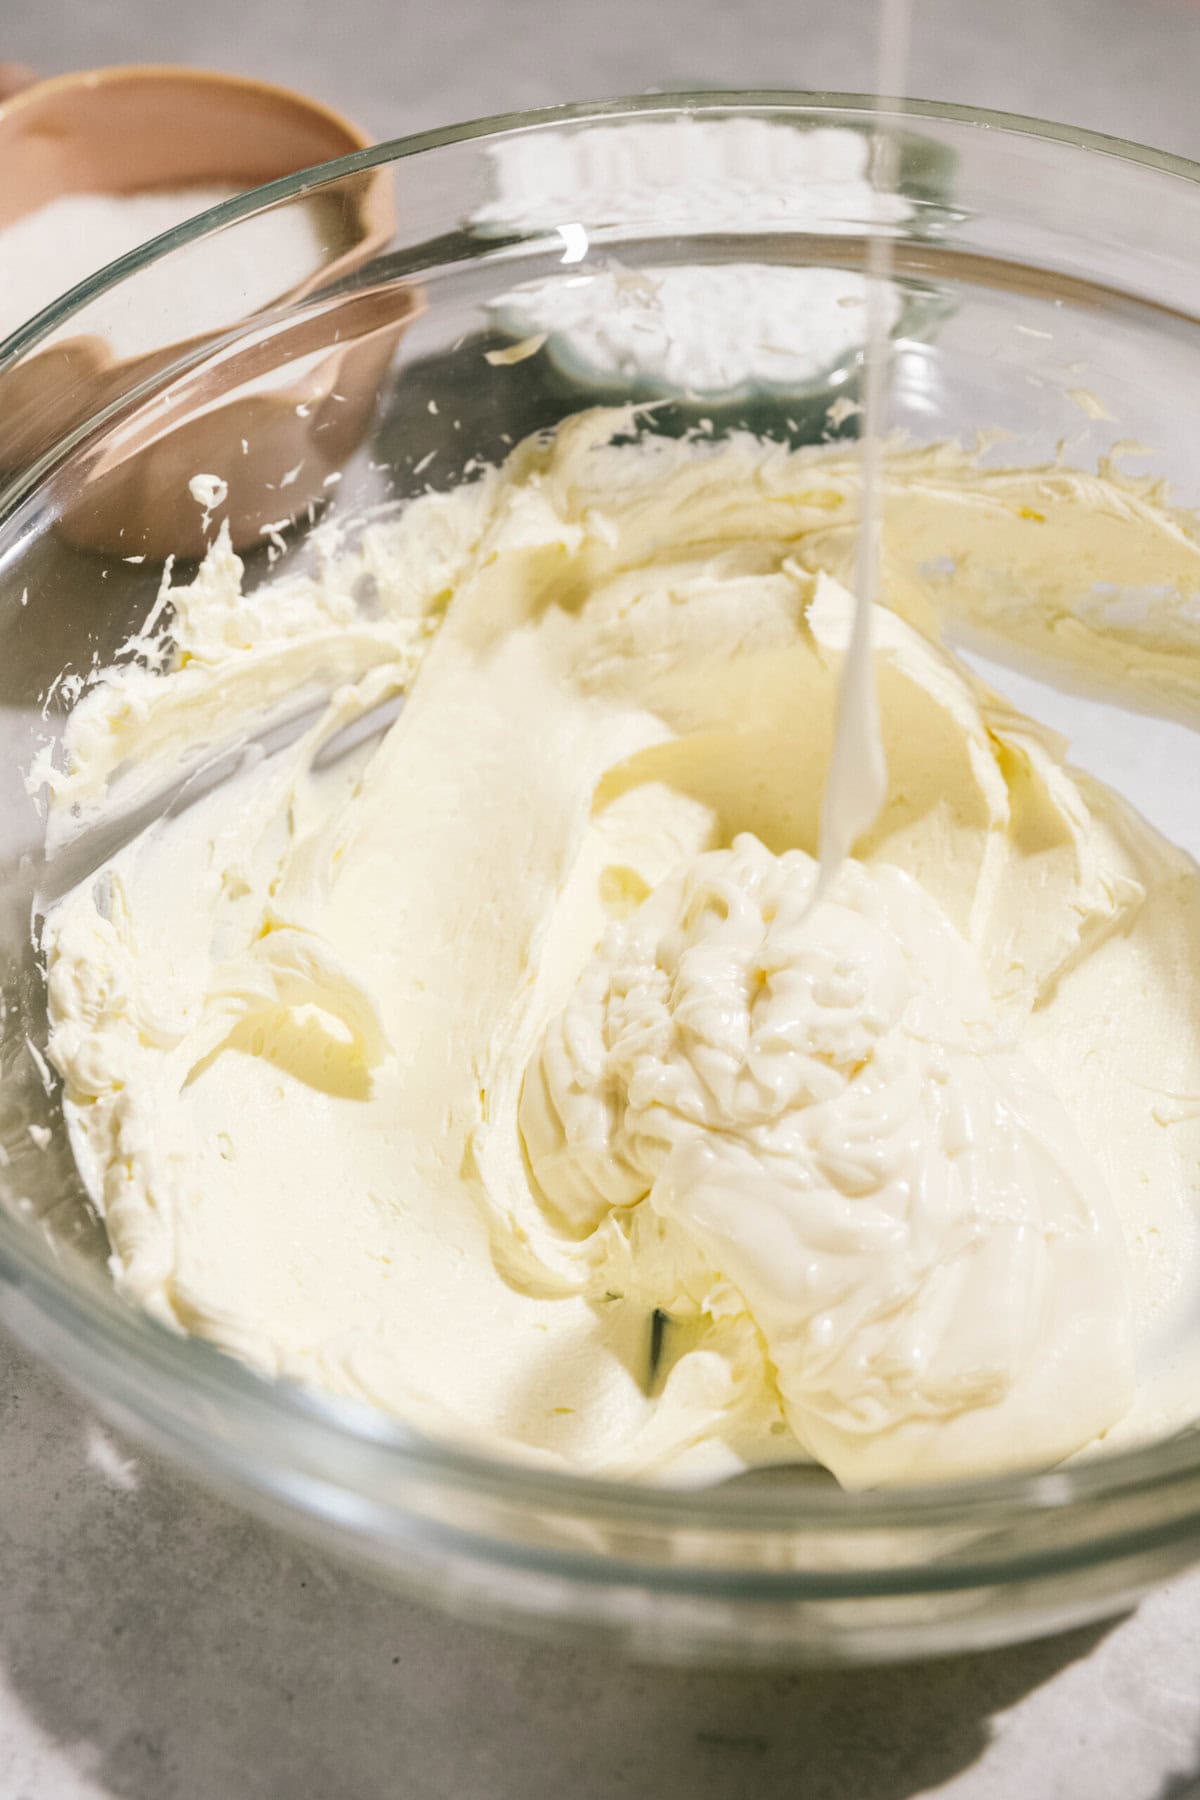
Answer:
(819, 1099)
(490, 1063)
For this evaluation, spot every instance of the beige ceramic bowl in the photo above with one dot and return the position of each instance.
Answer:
(133, 130)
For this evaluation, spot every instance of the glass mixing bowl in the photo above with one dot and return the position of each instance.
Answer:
(1046, 287)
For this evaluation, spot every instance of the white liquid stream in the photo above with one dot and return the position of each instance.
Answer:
(856, 786)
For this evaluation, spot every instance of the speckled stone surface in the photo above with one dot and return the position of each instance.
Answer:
(157, 1645)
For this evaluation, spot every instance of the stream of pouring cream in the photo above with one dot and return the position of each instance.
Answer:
(856, 784)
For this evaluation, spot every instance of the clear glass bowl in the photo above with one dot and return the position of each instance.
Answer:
(1048, 285)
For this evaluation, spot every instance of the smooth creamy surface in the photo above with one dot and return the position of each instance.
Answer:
(493, 1066)
(823, 1103)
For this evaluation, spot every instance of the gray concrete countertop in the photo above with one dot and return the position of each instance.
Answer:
(157, 1645)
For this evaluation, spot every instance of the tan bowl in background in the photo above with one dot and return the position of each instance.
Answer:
(133, 130)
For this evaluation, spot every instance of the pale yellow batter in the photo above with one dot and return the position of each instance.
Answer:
(384, 1077)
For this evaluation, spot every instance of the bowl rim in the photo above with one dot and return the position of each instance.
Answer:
(110, 1332)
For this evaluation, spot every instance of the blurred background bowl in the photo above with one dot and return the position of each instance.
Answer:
(142, 130)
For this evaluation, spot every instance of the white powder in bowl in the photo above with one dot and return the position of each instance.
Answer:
(203, 287)
(710, 331)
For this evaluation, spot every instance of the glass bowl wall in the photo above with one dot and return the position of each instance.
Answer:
(1047, 290)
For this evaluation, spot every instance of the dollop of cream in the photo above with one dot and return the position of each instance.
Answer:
(823, 1099)
(209, 491)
